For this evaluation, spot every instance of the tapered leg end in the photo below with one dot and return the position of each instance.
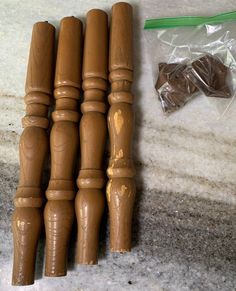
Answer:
(120, 250)
(53, 273)
(58, 218)
(86, 256)
(26, 226)
(89, 205)
(21, 281)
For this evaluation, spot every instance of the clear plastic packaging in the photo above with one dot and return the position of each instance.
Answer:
(191, 57)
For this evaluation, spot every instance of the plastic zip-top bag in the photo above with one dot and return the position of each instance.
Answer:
(193, 57)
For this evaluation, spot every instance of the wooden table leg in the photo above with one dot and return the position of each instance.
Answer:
(27, 220)
(121, 185)
(90, 199)
(64, 141)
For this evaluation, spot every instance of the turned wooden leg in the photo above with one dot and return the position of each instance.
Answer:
(27, 220)
(121, 187)
(64, 141)
(90, 199)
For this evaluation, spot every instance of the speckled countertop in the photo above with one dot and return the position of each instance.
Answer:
(184, 221)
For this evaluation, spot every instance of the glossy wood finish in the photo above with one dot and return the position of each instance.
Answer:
(90, 199)
(64, 141)
(121, 186)
(27, 220)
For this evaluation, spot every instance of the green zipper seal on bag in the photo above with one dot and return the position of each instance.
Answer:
(172, 22)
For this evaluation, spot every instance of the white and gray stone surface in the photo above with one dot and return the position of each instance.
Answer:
(184, 221)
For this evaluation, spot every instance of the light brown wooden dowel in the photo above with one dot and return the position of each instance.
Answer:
(64, 141)
(90, 199)
(27, 220)
(121, 186)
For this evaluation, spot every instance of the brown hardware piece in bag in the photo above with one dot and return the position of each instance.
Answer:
(173, 86)
(211, 76)
(177, 83)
